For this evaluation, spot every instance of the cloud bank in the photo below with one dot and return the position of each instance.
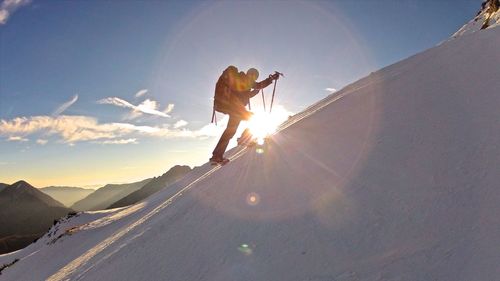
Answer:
(72, 129)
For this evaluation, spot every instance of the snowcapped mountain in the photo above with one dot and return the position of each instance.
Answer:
(394, 177)
(487, 17)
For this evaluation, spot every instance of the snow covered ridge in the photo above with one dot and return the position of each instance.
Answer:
(487, 17)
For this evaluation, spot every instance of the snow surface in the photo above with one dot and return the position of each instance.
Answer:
(394, 177)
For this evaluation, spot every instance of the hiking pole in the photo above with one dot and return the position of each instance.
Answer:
(263, 100)
(274, 89)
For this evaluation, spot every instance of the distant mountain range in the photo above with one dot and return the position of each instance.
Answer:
(171, 176)
(107, 195)
(66, 194)
(26, 213)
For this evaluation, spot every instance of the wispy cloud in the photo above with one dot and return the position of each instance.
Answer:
(330, 89)
(42, 141)
(65, 106)
(141, 93)
(146, 107)
(180, 123)
(116, 101)
(10, 6)
(17, 138)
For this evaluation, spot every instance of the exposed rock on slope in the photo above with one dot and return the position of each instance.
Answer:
(487, 17)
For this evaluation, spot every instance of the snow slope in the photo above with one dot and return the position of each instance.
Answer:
(395, 177)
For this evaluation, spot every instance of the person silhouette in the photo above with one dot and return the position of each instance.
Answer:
(233, 91)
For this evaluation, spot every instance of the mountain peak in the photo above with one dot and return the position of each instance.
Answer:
(21, 184)
(22, 191)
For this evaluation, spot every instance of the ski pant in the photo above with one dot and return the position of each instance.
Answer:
(231, 128)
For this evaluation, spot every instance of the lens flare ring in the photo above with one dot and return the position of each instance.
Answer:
(253, 199)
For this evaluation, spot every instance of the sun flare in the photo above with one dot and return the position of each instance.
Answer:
(263, 124)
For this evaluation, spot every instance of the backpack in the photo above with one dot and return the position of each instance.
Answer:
(222, 97)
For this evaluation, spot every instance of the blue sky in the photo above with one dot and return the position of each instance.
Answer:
(93, 92)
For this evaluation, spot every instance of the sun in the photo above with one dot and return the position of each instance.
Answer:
(263, 124)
